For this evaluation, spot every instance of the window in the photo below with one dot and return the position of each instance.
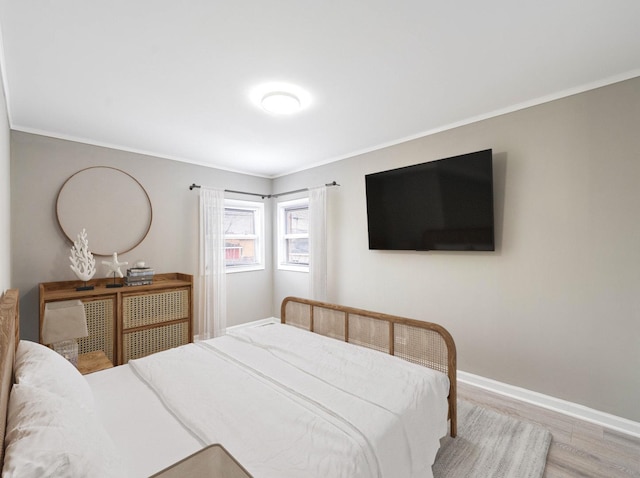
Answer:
(293, 235)
(243, 235)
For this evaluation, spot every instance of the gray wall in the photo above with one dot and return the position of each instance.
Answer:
(5, 195)
(39, 167)
(556, 308)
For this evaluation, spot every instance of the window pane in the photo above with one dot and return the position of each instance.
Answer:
(297, 251)
(293, 235)
(297, 221)
(240, 252)
(239, 221)
(244, 235)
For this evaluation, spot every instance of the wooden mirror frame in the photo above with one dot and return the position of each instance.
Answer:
(97, 199)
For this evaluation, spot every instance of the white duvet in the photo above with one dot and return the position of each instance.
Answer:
(288, 403)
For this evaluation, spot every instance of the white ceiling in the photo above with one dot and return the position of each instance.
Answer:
(173, 79)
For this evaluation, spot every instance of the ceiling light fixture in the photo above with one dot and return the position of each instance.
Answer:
(280, 99)
(281, 103)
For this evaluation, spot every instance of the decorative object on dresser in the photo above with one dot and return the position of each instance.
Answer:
(139, 275)
(113, 267)
(83, 264)
(63, 323)
(129, 323)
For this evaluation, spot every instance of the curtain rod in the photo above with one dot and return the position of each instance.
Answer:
(268, 196)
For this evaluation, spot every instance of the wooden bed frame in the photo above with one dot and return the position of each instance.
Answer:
(419, 342)
(423, 343)
(9, 338)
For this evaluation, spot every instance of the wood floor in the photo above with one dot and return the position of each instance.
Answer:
(578, 448)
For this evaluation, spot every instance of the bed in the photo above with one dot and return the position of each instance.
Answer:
(282, 401)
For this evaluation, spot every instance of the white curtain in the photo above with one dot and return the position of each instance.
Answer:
(211, 313)
(318, 243)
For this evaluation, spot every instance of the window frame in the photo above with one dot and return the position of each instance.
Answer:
(283, 236)
(259, 236)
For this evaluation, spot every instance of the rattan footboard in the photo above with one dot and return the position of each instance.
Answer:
(423, 343)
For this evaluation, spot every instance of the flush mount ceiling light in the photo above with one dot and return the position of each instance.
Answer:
(280, 103)
(280, 98)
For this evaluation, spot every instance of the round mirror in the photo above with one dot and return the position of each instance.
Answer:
(110, 204)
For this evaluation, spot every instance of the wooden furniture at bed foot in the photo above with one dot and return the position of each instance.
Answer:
(212, 460)
(131, 321)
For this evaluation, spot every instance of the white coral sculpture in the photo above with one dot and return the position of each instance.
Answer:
(82, 261)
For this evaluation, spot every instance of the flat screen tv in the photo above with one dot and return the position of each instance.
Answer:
(443, 205)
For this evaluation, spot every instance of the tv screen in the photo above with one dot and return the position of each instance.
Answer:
(443, 205)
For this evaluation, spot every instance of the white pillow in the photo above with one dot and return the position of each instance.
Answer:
(48, 436)
(39, 366)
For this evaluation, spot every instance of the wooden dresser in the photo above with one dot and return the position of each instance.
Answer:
(131, 321)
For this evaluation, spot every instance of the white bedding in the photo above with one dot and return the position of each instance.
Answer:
(282, 401)
(146, 435)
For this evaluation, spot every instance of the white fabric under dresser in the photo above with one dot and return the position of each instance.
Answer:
(339, 403)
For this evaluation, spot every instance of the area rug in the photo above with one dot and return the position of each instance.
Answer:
(491, 445)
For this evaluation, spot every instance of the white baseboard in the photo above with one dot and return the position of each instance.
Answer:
(571, 409)
(255, 323)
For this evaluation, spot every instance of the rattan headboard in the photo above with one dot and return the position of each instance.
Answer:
(9, 338)
(423, 343)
